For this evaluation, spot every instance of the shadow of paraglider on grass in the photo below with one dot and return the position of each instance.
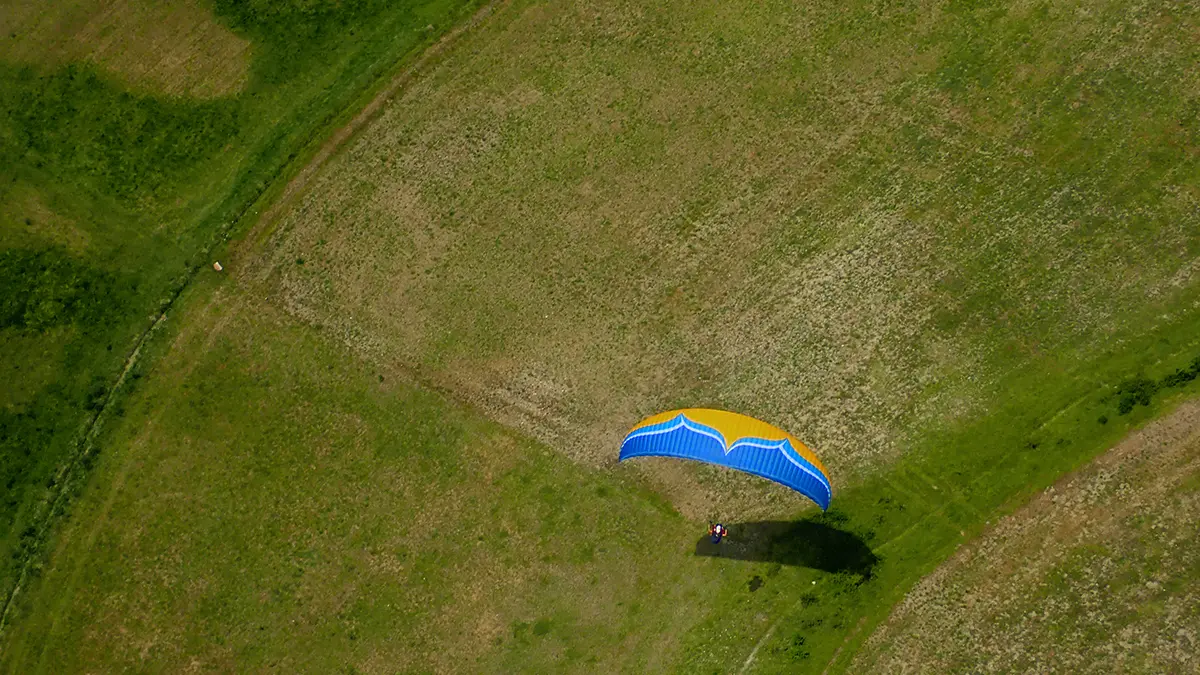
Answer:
(801, 543)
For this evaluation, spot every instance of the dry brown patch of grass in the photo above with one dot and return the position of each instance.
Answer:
(570, 306)
(1096, 574)
(595, 211)
(175, 47)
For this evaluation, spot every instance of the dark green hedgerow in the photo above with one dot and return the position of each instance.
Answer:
(1140, 390)
(57, 298)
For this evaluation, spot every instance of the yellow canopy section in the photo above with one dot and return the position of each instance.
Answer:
(734, 427)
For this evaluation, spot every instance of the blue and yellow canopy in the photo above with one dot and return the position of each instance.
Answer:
(732, 440)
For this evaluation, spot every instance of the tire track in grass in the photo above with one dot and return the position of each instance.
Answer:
(62, 480)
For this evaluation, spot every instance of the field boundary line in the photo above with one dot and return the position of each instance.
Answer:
(936, 511)
(761, 641)
(854, 633)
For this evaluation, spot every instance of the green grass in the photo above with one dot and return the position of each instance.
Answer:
(1098, 573)
(268, 499)
(933, 241)
(110, 198)
(282, 504)
(125, 146)
(859, 238)
(952, 247)
(921, 510)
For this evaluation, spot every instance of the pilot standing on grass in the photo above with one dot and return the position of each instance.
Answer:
(716, 532)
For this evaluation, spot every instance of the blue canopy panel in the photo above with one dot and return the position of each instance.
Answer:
(775, 460)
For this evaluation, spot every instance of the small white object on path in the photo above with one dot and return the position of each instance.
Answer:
(217, 266)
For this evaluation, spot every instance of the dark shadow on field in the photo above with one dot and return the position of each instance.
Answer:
(801, 543)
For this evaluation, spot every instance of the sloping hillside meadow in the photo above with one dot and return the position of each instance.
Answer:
(953, 246)
(857, 221)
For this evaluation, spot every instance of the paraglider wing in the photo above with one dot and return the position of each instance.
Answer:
(733, 440)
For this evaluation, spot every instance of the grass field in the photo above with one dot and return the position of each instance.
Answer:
(178, 48)
(132, 135)
(853, 222)
(277, 507)
(1100, 573)
(951, 246)
(269, 500)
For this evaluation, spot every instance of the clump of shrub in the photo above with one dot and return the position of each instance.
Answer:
(1140, 390)
(1137, 391)
(794, 648)
(43, 288)
(1182, 376)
